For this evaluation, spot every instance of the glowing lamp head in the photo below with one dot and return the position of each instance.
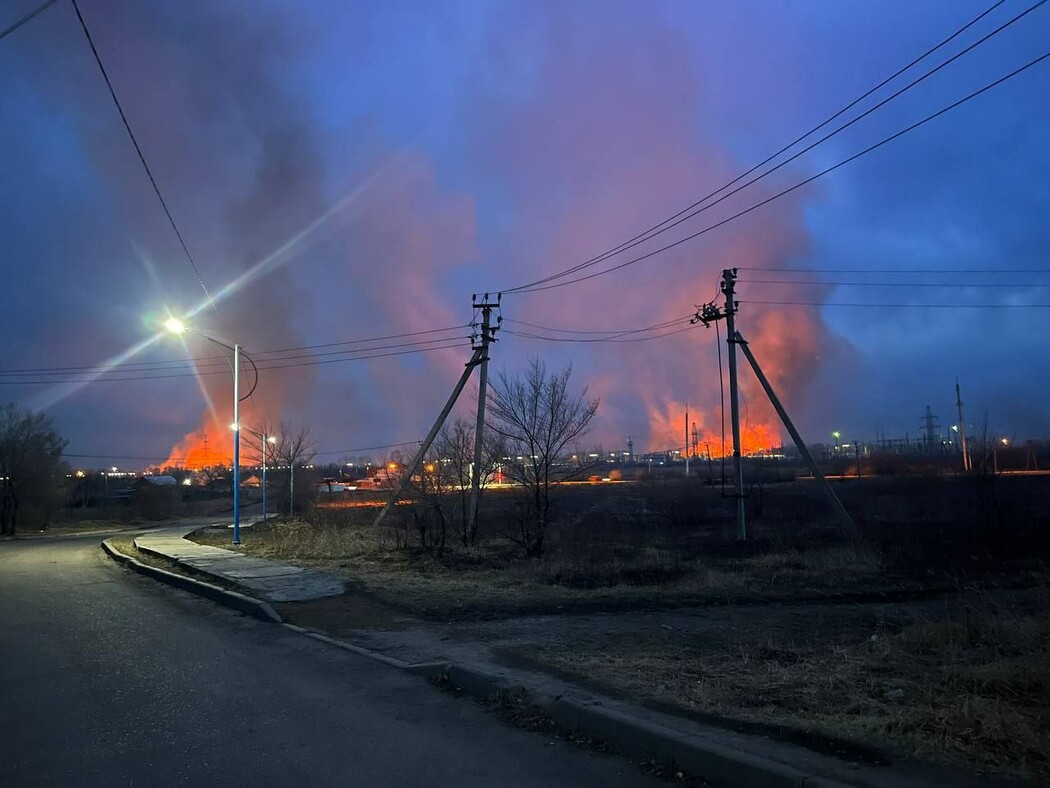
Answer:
(174, 325)
(272, 439)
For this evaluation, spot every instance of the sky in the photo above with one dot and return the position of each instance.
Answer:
(345, 172)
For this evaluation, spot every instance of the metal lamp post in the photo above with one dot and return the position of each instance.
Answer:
(176, 326)
(266, 439)
(263, 440)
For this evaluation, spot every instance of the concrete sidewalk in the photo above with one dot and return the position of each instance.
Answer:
(271, 581)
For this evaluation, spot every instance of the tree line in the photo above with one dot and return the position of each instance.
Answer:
(31, 468)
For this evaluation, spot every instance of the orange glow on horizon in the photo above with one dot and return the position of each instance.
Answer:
(667, 430)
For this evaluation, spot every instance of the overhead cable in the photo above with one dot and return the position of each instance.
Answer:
(991, 85)
(679, 217)
(222, 360)
(14, 26)
(223, 372)
(142, 157)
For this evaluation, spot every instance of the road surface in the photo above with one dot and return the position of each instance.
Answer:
(110, 679)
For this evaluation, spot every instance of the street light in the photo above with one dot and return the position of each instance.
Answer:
(264, 439)
(176, 326)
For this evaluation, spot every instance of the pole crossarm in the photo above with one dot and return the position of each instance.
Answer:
(488, 329)
(710, 312)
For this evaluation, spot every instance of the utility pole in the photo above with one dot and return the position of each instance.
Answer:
(962, 428)
(488, 335)
(707, 314)
(687, 441)
(728, 283)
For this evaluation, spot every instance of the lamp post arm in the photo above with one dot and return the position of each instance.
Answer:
(238, 351)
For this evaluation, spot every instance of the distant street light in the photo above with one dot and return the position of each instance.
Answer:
(264, 439)
(176, 326)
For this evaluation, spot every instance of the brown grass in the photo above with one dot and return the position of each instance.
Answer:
(970, 686)
(963, 680)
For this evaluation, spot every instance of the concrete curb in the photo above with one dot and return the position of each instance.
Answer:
(634, 737)
(231, 599)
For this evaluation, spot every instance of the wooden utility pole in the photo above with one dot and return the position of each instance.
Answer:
(488, 335)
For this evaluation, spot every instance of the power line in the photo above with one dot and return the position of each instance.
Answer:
(617, 331)
(222, 372)
(119, 457)
(39, 9)
(142, 157)
(368, 448)
(671, 221)
(196, 362)
(898, 271)
(801, 183)
(894, 306)
(891, 284)
(603, 339)
(213, 365)
(372, 339)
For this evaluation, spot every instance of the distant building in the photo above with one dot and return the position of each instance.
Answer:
(147, 482)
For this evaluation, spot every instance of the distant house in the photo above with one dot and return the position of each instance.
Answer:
(148, 482)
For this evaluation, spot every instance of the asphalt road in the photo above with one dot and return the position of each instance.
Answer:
(107, 678)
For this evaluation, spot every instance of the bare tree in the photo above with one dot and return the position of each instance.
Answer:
(538, 417)
(261, 443)
(433, 494)
(30, 456)
(294, 448)
(454, 448)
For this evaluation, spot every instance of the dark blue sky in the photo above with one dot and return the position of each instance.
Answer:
(386, 160)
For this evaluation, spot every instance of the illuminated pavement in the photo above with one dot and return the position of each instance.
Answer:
(263, 579)
(108, 678)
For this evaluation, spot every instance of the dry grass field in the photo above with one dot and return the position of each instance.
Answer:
(927, 636)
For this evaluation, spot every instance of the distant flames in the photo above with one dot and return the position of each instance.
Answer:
(211, 444)
(667, 429)
(787, 342)
(207, 446)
